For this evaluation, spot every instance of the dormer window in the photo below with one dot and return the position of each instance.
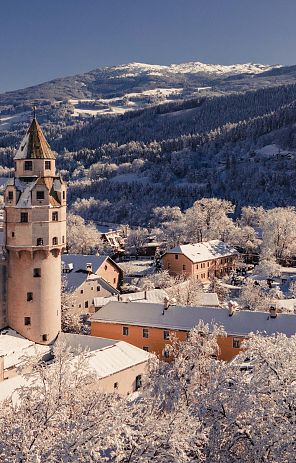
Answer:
(28, 165)
(40, 195)
(10, 196)
(47, 165)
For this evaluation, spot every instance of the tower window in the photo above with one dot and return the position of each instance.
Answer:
(98, 288)
(28, 165)
(10, 196)
(39, 241)
(125, 330)
(27, 321)
(86, 304)
(64, 194)
(37, 272)
(12, 234)
(29, 297)
(145, 333)
(54, 241)
(24, 217)
(47, 165)
(63, 239)
(40, 194)
(55, 216)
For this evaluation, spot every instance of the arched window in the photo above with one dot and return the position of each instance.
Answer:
(54, 241)
(39, 241)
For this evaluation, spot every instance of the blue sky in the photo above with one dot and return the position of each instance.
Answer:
(44, 39)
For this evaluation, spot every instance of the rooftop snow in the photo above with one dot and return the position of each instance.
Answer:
(241, 323)
(107, 356)
(79, 274)
(13, 347)
(201, 252)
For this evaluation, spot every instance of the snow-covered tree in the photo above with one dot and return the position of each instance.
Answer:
(268, 268)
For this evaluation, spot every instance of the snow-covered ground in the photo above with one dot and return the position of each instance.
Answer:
(6, 121)
(119, 105)
(273, 150)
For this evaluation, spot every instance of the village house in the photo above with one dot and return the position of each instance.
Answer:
(150, 326)
(87, 277)
(117, 365)
(202, 261)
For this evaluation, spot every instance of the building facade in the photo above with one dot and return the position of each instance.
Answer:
(88, 277)
(150, 326)
(35, 238)
(202, 261)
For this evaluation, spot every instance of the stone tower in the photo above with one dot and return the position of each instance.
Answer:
(35, 237)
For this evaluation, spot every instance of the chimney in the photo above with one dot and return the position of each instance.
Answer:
(273, 311)
(89, 268)
(166, 303)
(231, 308)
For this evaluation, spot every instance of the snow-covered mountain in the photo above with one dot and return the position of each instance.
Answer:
(126, 87)
(194, 67)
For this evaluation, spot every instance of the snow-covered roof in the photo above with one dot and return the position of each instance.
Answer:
(289, 305)
(11, 386)
(153, 295)
(34, 144)
(107, 356)
(25, 199)
(200, 252)
(241, 323)
(13, 348)
(209, 299)
(76, 273)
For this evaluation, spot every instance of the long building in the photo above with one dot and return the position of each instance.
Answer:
(149, 326)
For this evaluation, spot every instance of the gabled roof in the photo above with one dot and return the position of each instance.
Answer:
(241, 323)
(78, 273)
(200, 252)
(34, 144)
(107, 356)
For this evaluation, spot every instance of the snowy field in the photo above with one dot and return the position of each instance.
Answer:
(6, 121)
(119, 105)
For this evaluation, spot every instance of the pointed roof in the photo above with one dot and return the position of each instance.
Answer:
(34, 144)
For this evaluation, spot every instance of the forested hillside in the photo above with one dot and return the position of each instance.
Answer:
(239, 146)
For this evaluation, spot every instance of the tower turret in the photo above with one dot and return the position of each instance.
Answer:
(35, 237)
